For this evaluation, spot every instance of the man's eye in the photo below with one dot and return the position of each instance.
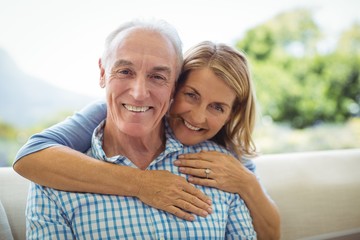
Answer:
(123, 72)
(158, 77)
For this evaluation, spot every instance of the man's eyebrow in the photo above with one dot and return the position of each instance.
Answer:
(122, 62)
(162, 69)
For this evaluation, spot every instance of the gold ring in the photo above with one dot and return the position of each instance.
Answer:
(207, 172)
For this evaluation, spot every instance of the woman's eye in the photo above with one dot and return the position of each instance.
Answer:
(218, 108)
(191, 95)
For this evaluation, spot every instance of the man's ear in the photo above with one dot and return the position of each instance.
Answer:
(102, 74)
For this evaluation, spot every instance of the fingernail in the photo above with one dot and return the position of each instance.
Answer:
(180, 156)
(209, 201)
(210, 210)
(190, 179)
(205, 213)
(176, 162)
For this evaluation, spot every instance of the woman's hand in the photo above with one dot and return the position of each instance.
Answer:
(229, 174)
(171, 193)
(225, 172)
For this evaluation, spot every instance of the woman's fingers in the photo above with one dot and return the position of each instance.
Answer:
(191, 204)
(202, 160)
(171, 193)
(197, 172)
(180, 213)
(185, 206)
(225, 172)
(193, 163)
(203, 155)
(208, 182)
(199, 176)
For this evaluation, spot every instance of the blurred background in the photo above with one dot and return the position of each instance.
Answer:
(304, 55)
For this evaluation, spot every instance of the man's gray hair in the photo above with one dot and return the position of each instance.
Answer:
(156, 25)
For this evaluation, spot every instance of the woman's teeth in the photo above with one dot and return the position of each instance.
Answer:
(191, 127)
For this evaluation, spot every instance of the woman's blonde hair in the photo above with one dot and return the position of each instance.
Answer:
(232, 67)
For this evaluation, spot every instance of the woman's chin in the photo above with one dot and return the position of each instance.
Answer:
(188, 138)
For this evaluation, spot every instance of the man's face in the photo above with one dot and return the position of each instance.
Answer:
(140, 82)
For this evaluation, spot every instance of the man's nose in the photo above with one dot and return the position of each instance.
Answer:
(139, 89)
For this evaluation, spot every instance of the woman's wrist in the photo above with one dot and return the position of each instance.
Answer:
(250, 187)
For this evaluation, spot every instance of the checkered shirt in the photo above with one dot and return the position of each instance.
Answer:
(54, 214)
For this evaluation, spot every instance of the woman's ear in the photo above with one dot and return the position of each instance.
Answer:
(227, 121)
(102, 74)
(230, 117)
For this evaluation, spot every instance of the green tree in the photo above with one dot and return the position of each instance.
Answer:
(295, 29)
(258, 43)
(349, 41)
(294, 82)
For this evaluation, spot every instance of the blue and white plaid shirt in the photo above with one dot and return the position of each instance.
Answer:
(54, 214)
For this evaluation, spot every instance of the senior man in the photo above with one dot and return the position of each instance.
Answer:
(138, 70)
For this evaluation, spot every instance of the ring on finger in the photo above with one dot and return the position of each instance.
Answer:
(207, 172)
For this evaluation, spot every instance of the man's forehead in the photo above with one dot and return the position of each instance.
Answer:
(154, 67)
(140, 46)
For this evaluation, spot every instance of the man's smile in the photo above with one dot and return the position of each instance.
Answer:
(136, 108)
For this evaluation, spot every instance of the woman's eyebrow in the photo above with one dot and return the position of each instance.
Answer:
(194, 89)
(221, 103)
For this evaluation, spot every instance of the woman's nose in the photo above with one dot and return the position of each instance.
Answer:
(199, 115)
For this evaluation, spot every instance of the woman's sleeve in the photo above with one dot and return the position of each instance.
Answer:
(74, 132)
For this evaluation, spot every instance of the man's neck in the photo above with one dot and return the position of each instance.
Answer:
(141, 151)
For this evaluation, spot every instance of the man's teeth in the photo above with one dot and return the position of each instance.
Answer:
(188, 125)
(136, 108)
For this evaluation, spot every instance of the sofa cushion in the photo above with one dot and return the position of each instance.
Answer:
(316, 192)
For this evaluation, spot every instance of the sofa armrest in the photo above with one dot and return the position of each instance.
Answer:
(13, 195)
(5, 230)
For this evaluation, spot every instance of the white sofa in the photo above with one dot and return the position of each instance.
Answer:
(318, 194)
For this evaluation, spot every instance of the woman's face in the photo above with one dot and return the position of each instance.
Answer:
(201, 107)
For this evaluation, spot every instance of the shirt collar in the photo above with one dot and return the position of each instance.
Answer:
(172, 144)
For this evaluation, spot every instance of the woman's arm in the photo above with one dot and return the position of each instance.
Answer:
(74, 132)
(229, 174)
(45, 160)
